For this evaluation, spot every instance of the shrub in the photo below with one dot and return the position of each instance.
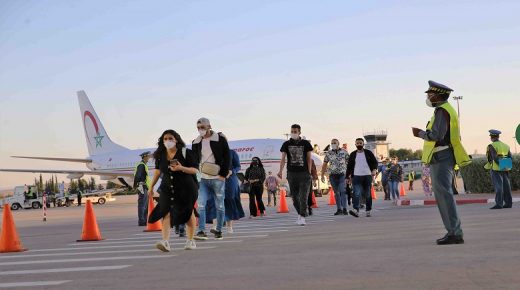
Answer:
(478, 180)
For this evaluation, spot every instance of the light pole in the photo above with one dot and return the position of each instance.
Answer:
(514, 138)
(287, 136)
(458, 98)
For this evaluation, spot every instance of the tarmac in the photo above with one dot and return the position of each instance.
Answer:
(393, 249)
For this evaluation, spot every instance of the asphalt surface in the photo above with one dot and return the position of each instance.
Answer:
(393, 249)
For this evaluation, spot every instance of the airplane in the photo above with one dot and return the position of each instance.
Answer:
(113, 162)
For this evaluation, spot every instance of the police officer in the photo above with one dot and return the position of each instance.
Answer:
(499, 163)
(142, 184)
(442, 150)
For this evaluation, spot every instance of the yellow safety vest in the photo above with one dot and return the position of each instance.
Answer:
(502, 150)
(148, 180)
(461, 157)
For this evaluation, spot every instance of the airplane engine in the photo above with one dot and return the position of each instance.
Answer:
(75, 176)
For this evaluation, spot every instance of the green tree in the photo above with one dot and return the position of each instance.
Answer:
(92, 184)
(111, 185)
(100, 187)
(40, 184)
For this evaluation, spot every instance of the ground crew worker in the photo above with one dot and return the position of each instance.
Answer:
(500, 163)
(142, 184)
(442, 150)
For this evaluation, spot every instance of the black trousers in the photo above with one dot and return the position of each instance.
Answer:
(256, 195)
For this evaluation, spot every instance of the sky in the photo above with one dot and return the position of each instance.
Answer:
(338, 68)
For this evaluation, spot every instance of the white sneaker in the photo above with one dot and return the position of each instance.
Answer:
(190, 245)
(369, 214)
(302, 221)
(299, 220)
(229, 230)
(163, 246)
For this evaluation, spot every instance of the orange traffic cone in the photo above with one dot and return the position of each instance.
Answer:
(314, 202)
(90, 227)
(9, 241)
(156, 226)
(283, 203)
(373, 193)
(257, 208)
(332, 199)
(402, 192)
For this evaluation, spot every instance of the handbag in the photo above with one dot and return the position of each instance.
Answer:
(210, 169)
(505, 164)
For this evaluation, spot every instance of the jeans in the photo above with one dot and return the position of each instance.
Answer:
(386, 189)
(273, 193)
(362, 186)
(337, 181)
(300, 184)
(255, 198)
(502, 186)
(142, 206)
(393, 185)
(442, 172)
(215, 188)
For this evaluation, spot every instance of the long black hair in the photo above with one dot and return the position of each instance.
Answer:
(161, 149)
(259, 161)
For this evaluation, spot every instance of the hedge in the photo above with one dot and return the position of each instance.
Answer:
(478, 180)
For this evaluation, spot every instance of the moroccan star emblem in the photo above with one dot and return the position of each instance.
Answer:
(98, 140)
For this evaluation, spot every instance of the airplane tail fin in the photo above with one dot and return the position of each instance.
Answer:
(98, 141)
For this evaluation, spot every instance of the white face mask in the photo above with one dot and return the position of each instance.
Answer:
(295, 136)
(169, 144)
(429, 103)
(202, 132)
(334, 146)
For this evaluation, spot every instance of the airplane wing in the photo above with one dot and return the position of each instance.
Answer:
(82, 172)
(56, 159)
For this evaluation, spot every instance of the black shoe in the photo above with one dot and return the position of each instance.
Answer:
(339, 212)
(450, 240)
(182, 234)
(353, 213)
(362, 206)
(201, 236)
(213, 231)
(310, 211)
(345, 212)
(496, 207)
(218, 236)
(142, 225)
(508, 206)
(176, 230)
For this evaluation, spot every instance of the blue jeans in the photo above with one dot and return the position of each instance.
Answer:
(394, 188)
(362, 186)
(337, 181)
(442, 172)
(502, 186)
(142, 207)
(215, 188)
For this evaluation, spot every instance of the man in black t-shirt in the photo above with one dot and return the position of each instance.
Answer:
(299, 164)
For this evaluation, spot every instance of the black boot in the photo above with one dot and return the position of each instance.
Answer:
(496, 207)
(450, 240)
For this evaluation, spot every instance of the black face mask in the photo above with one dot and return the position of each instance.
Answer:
(254, 163)
(359, 147)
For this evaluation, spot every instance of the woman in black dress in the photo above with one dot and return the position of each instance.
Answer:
(177, 166)
(255, 176)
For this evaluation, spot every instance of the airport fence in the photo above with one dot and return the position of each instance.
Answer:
(478, 180)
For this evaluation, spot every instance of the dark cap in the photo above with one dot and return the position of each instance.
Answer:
(494, 132)
(435, 87)
(144, 154)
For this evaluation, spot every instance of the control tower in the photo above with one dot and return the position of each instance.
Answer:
(377, 143)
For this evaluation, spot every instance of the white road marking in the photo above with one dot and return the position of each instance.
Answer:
(63, 270)
(151, 238)
(134, 245)
(33, 284)
(84, 260)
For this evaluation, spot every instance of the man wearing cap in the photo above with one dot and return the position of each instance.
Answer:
(500, 163)
(142, 184)
(442, 150)
(212, 150)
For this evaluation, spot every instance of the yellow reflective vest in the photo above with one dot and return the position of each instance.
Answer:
(148, 180)
(461, 157)
(502, 150)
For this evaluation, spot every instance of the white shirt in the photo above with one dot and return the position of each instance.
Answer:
(207, 156)
(361, 168)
